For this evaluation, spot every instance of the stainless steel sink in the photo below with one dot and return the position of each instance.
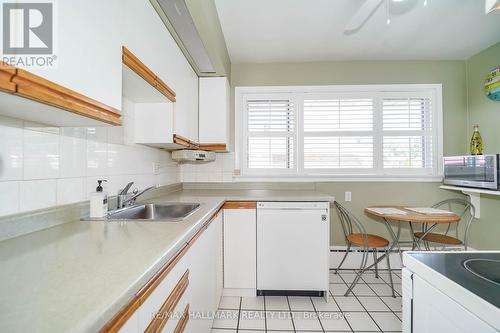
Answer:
(167, 212)
(486, 269)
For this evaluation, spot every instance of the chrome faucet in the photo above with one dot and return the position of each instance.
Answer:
(128, 199)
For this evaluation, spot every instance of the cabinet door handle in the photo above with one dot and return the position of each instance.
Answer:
(163, 315)
(181, 325)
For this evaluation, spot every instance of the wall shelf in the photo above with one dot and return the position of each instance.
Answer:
(474, 195)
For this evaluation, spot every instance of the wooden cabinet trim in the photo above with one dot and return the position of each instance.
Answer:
(151, 285)
(163, 315)
(132, 62)
(220, 147)
(128, 310)
(164, 89)
(44, 91)
(240, 205)
(180, 140)
(121, 318)
(213, 218)
(29, 85)
(181, 325)
(7, 72)
(203, 228)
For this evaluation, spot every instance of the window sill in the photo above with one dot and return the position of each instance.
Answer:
(337, 179)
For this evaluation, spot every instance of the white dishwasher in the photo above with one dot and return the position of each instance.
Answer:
(293, 248)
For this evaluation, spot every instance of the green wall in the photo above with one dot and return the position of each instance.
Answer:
(486, 113)
(451, 74)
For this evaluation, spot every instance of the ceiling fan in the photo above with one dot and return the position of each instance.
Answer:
(491, 6)
(369, 7)
(362, 15)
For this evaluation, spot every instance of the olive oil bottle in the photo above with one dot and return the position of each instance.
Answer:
(476, 142)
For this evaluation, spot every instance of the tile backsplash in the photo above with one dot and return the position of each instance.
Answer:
(221, 170)
(44, 166)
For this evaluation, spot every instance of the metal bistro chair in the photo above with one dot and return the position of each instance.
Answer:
(462, 207)
(356, 236)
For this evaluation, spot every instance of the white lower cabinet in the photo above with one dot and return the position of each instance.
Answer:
(239, 250)
(154, 302)
(202, 264)
(203, 292)
(435, 312)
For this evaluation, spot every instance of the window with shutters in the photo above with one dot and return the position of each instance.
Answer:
(379, 131)
(270, 133)
(338, 132)
(407, 131)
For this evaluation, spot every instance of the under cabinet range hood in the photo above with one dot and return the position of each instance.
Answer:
(187, 155)
(176, 16)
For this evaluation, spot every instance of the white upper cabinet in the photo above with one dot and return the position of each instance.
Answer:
(89, 36)
(214, 110)
(83, 86)
(146, 36)
(88, 48)
(157, 133)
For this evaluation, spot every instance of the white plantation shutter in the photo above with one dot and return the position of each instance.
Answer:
(338, 152)
(338, 133)
(339, 114)
(366, 131)
(270, 133)
(410, 151)
(407, 132)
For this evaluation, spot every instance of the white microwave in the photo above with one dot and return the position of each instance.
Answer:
(478, 171)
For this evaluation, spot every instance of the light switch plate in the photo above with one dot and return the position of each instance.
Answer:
(347, 196)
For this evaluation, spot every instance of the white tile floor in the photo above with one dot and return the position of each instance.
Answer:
(370, 309)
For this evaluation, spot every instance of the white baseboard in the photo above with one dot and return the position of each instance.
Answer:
(353, 259)
(240, 292)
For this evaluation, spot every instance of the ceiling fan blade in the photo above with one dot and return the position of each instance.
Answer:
(491, 6)
(362, 15)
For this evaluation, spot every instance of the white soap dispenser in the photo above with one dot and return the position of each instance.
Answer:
(99, 202)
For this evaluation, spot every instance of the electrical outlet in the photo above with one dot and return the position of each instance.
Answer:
(347, 196)
(156, 168)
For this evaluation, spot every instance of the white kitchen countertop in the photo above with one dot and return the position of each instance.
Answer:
(76, 276)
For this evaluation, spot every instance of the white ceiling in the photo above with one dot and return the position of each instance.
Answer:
(313, 30)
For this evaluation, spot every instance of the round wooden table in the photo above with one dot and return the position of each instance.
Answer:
(410, 217)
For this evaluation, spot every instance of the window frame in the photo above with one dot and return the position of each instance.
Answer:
(378, 173)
